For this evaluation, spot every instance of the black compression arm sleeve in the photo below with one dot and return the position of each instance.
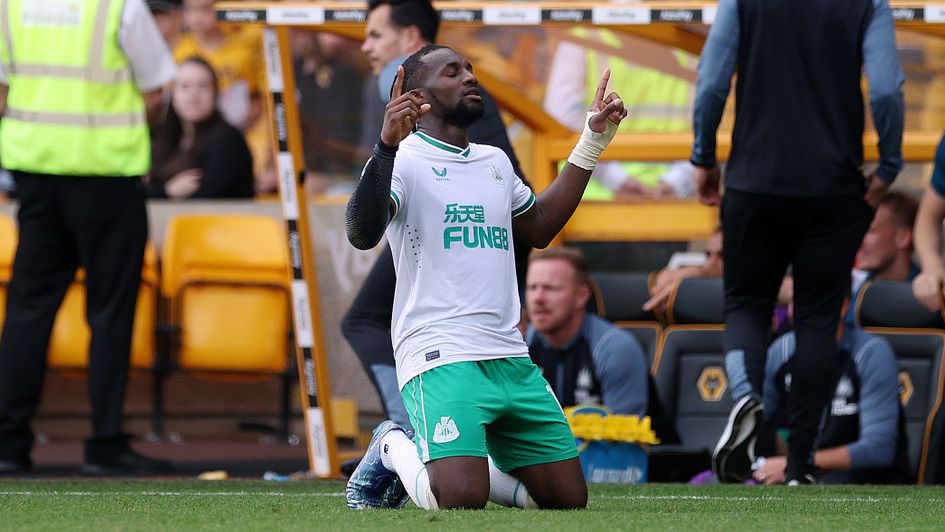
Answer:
(368, 210)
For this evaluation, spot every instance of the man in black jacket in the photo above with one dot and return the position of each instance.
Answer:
(795, 193)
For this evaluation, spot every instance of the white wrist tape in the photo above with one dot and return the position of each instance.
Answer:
(591, 144)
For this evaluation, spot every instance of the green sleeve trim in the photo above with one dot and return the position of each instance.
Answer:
(528, 205)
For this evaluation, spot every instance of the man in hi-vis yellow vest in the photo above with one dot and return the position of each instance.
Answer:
(75, 137)
(662, 80)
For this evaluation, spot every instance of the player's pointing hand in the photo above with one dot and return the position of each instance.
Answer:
(609, 108)
(402, 113)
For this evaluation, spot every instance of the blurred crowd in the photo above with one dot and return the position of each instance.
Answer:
(340, 109)
(330, 77)
(210, 133)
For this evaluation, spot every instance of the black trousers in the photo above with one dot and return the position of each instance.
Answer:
(99, 223)
(819, 237)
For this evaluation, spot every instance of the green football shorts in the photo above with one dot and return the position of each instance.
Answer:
(501, 407)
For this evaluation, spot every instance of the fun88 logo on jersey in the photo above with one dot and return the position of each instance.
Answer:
(472, 231)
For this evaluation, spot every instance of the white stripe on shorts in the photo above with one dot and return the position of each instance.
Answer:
(424, 446)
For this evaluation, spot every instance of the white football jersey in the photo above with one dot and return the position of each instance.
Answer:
(457, 296)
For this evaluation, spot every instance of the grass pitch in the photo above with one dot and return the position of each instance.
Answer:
(319, 505)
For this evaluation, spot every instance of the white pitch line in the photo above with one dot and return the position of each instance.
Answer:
(760, 498)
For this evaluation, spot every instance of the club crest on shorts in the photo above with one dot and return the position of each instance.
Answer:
(445, 430)
(496, 174)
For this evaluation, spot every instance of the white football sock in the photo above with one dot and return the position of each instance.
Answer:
(399, 454)
(507, 490)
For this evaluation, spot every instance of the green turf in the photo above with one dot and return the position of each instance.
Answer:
(307, 505)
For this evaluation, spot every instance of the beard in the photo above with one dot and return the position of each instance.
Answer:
(464, 114)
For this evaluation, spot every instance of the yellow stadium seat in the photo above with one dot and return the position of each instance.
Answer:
(226, 283)
(69, 342)
(8, 239)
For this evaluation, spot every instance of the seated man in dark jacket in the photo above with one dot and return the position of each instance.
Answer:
(862, 439)
(585, 358)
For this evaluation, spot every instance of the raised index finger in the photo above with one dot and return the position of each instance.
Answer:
(398, 84)
(602, 87)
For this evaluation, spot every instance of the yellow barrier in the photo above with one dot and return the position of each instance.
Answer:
(677, 24)
(613, 427)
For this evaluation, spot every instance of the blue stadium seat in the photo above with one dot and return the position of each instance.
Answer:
(697, 300)
(888, 309)
(618, 297)
(689, 368)
(891, 304)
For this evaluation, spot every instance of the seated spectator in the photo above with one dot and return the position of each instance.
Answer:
(196, 153)
(585, 358)
(886, 250)
(235, 52)
(863, 438)
(667, 278)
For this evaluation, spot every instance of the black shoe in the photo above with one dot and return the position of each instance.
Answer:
(115, 457)
(802, 480)
(799, 476)
(126, 464)
(735, 451)
(15, 467)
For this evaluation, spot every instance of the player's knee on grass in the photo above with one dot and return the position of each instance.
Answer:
(555, 485)
(563, 497)
(457, 494)
(459, 482)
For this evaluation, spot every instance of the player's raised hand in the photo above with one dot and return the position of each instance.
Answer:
(602, 120)
(605, 108)
(402, 113)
